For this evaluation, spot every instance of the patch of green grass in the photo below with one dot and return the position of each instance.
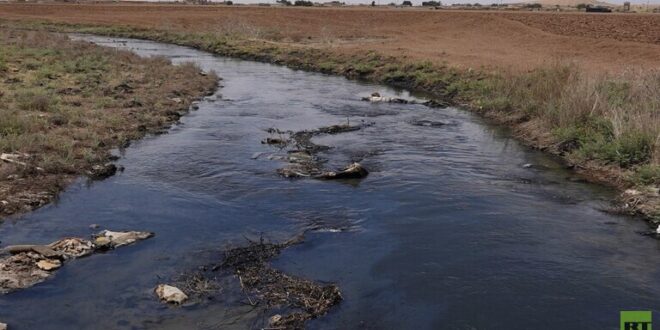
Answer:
(625, 151)
(647, 175)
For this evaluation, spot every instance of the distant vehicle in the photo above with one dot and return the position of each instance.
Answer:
(597, 9)
(407, 3)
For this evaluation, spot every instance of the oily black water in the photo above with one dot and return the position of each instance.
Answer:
(448, 231)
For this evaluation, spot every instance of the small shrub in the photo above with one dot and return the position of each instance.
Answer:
(36, 100)
(303, 3)
(629, 149)
(3, 63)
(31, 64)
(647, 175)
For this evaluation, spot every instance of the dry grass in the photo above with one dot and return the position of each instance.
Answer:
(614, 120)
(64, 105)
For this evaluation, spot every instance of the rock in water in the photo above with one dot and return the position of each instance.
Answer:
(73, 247)
(22, 266)
(45, 251)
(113, 239)
(278, 141)
(20, 271)
(273, 320)
(100, 172)
(352, 171)
(49, 264)
(428, 123)
(170, 294)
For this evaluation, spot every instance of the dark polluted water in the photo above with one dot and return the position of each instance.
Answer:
(448, 231)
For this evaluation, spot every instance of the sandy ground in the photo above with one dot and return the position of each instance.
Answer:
(510, 40)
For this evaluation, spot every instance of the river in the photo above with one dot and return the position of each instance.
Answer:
(450, 230)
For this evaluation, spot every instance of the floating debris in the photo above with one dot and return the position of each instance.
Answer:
(199, 284)
(170, 294)
(352, 171)
(377, 98)
(28, 265)
(342, 128)
(278, 141)
(299, 156)
(294, 171)
(303, 161)
(302, 298)
(428, 123)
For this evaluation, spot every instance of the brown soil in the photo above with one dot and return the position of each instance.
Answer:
(511, 40)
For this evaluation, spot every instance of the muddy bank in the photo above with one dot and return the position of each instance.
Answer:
(68, 105)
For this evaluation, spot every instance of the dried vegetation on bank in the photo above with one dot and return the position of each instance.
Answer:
(65, 105)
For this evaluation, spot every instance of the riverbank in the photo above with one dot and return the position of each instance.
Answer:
(607, 127)
(67, 105)
(209, 183)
